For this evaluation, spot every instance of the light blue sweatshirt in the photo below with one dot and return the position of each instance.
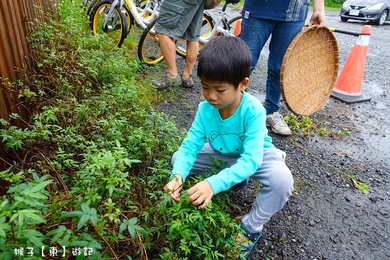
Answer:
(244, 133)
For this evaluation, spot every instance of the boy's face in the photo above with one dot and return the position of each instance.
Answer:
(223, 95)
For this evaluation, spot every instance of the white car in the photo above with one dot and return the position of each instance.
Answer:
(376, 11)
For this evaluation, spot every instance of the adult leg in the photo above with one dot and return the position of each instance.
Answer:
(168, 49)
(277, 186)
(192, 36)
(192, 54)
(282, 35)
(173, 21)
(255, 33)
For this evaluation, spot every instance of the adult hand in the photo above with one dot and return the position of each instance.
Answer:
(174, 187)
(317, 18)
(201, 194)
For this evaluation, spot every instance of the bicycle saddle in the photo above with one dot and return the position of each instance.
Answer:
(232, 1)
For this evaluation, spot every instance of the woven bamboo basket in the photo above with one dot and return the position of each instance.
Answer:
(309, 70)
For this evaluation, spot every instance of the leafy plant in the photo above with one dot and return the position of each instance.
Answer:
(86, 214)
(20, 211)
(132, 227)
(187, 225)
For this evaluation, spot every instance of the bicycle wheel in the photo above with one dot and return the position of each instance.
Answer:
(148, 47)
(235, 25)
(207, 27)
(91, 6)
(115, 29)
(129, 17)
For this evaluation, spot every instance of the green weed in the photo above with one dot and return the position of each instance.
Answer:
(359, 185)
(307, 126)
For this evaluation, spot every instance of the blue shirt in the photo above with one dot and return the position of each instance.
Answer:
(276, 10)
(244, 133)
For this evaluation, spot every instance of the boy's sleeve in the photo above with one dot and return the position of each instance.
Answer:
(190, 147)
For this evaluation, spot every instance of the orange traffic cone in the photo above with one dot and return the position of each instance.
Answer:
(348, 87)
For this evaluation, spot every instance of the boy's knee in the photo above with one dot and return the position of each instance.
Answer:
(284, 182)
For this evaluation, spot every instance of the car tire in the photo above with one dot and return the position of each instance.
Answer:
(382, 18)
(344, 19)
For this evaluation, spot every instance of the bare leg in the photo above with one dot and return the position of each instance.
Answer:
(167, 46)
(192, 54)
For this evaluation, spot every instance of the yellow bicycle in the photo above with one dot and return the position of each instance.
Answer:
(113, 19)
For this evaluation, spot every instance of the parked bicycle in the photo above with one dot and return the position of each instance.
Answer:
(114, 18)
(148, 47)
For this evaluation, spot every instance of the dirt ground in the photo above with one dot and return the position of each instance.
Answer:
(327, 217)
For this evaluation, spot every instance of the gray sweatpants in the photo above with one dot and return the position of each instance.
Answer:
(274, 175)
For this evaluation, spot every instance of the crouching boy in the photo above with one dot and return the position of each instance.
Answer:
(230, 126)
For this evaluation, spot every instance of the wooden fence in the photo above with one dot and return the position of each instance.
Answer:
(15, 53)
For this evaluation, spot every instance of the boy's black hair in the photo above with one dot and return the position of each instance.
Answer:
(224, 59)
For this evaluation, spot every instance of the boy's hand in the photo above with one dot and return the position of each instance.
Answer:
(201, 194)
(173, 187)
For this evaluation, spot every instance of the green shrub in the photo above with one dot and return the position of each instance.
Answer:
(334, 3)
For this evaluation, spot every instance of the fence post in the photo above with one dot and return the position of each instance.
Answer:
(15, 54)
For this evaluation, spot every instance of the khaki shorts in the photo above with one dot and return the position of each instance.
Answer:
(181, 19)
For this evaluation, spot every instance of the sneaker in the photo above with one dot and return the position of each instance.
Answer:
(277, 124)
(247, 242)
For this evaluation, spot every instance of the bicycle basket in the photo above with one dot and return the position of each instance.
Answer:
(309, 70)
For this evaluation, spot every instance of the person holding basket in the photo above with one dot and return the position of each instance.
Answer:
(281, 20)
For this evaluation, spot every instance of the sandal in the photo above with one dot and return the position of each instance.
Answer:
(187, 83)
(166, 82)
(248, 245)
